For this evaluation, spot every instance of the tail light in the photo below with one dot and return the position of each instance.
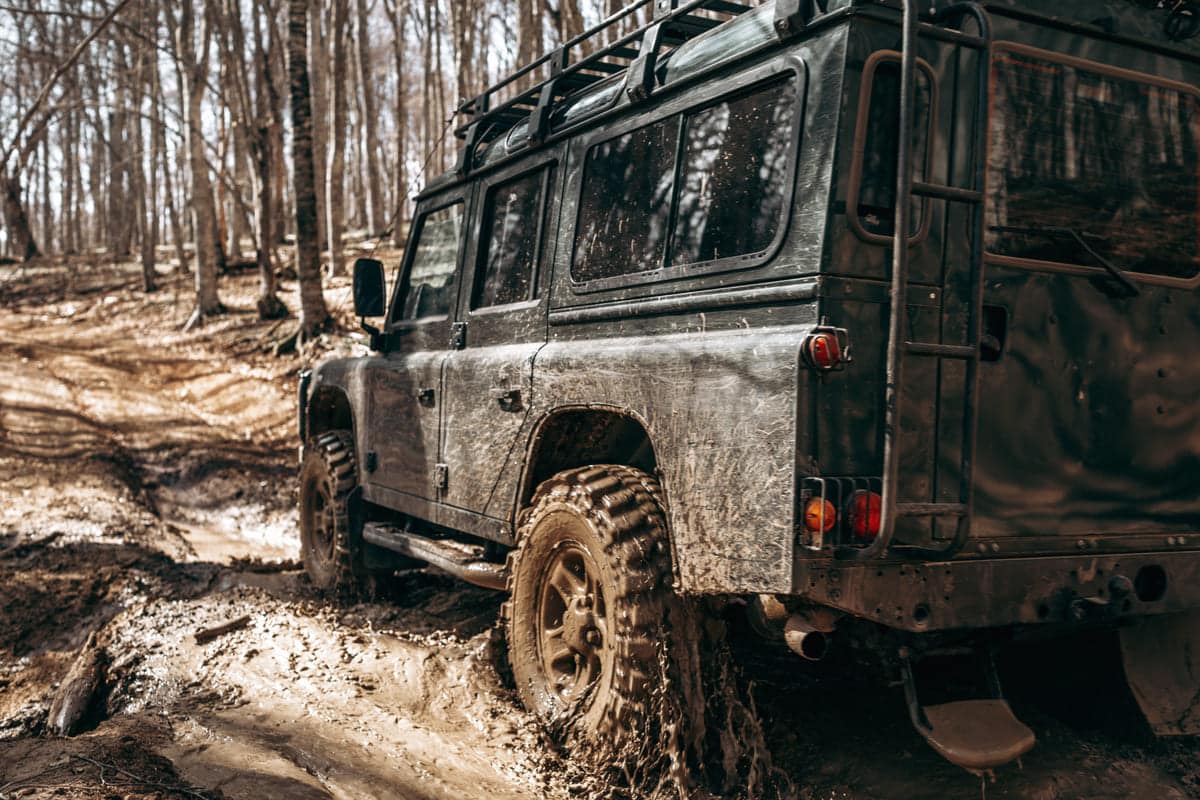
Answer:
(819, 515)
(863, 512)
(826, 348)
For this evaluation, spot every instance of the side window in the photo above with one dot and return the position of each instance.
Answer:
(512, 225)
(649, 204)
(624, 213)
(734, 176)
(878, 133)
(429, 288)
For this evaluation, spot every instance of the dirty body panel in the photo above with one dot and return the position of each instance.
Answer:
(1085, 433)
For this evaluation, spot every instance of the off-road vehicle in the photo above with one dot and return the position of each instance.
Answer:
(874, 315)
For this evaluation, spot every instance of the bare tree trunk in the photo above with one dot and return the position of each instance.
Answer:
(398, 13)
(204, 215)
(158, 132)
(19, 233)
(48, 228)
(529, 33)
(335, 175)
(313, 313)
(147, 188)
(318, 59)
(372, 178)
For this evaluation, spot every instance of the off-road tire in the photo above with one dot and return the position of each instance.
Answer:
(615, 515)
(330, 535)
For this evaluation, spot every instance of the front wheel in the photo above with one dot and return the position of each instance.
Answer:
(330, 544)
(589, 584)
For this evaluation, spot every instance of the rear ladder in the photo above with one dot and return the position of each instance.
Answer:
(899, 347)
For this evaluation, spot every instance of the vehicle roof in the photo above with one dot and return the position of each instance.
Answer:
(755, 28)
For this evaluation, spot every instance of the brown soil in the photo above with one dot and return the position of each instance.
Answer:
(147, 493)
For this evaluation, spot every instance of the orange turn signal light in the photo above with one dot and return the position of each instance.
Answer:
(819, 515)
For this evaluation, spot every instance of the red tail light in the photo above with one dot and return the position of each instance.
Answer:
(823, 350)
(863, 514)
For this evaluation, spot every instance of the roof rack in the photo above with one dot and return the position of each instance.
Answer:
(575, 65)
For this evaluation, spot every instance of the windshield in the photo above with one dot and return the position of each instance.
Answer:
(1096, 151)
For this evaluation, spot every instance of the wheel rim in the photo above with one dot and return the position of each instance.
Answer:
(572, 624)
(318, 512)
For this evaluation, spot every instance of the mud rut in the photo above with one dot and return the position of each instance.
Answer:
(147, 492)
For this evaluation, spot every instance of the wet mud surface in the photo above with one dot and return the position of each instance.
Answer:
(147, 496)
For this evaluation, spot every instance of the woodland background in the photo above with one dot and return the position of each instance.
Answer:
(216, 132)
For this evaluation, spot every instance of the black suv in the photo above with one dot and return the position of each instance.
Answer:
(868, 315)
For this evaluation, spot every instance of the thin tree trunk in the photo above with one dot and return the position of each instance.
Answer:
(318, 60)
(373, 186)
(335, 175)
(147, 188)
(158, 133)
(313, 313)
(195, 71)
(398, 13)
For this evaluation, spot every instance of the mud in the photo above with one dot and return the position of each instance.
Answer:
(147, 495)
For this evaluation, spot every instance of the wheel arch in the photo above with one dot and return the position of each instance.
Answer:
(576, 436)
(328, 409)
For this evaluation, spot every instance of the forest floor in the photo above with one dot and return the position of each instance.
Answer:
(147, 494)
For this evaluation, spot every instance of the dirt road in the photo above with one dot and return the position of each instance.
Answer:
(147, 494)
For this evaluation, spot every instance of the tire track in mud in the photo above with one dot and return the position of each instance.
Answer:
(309, 701)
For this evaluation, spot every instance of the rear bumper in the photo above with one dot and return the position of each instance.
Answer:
(985, 593)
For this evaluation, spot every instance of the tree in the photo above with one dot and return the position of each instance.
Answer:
(372, 183)
(252, 110)
(193, 71)
(313, 313)
(335, 175)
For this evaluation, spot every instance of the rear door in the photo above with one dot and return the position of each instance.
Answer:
(1089, 420)
(501, 325)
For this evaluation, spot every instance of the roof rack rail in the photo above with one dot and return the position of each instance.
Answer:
(578, 64)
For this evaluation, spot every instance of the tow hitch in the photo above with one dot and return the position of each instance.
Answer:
(978, 734)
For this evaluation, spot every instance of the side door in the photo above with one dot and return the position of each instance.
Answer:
(502, 320)
(406, 391)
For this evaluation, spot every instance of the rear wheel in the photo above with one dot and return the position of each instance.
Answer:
(589, 584)
(330, 535)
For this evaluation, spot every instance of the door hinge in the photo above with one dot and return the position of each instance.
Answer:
(458, 336)
(372, 461)
(441, 476)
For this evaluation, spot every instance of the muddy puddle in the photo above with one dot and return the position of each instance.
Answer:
(147, 494)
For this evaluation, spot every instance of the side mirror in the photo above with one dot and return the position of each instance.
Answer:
(368, 288)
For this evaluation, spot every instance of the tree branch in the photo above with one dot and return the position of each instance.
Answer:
(45, 92)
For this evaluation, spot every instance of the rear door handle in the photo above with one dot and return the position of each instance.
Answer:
(509, 399)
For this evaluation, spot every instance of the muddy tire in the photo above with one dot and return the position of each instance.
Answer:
(330, 538)
(589, 587)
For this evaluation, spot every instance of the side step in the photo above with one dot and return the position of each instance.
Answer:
(460, 559)
(977, 735)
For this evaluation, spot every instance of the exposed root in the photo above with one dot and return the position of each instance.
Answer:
(270, 307)
(199, 316)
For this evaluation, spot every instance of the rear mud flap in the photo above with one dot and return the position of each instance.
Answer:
(1162, 666)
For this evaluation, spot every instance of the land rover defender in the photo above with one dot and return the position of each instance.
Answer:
(869, 314)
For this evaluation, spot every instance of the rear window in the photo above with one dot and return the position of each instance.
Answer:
(512, 219)
(649, 204)
(1078, 148)
(874, 203)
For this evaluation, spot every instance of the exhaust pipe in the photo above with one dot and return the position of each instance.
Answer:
(806, 635)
